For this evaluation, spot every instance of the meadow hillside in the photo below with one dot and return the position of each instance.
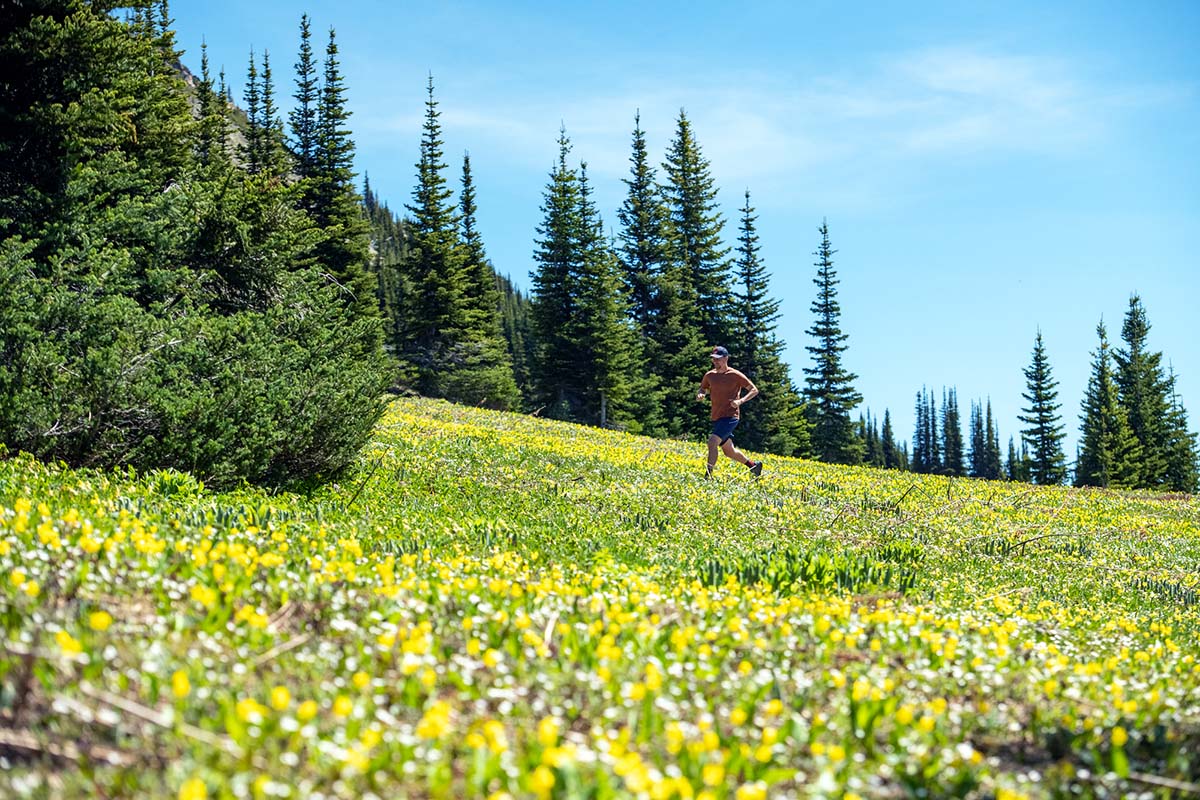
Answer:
(494, 605)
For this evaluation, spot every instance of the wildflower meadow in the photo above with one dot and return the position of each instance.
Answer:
(498, 606)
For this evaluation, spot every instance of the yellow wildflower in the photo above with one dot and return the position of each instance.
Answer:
(1119, 736)
(281, 698)
(193, 789)
(68, 643)
(307, 710)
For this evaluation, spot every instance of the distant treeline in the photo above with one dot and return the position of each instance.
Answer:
(194, 284)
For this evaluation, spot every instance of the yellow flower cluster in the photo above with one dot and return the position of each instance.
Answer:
(539, 619)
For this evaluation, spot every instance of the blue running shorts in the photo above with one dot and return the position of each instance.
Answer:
(723, 428)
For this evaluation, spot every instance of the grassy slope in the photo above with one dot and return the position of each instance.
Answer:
(495, 603)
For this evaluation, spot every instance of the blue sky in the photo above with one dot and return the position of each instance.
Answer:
(986, 169)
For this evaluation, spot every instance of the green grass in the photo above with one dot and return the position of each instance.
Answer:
(494, 604)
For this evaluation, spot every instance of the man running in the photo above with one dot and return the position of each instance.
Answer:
(725, 385)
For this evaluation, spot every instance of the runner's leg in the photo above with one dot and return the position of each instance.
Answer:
(733, 452)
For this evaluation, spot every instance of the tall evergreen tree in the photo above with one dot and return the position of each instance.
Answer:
(1044, 433)
(644, 236)
(891, 451)
(1144, 394)
(1109, 452)
(776, 422)
(484, 375)
(644, 256)
(919, 450)
(928, 439)
(953, 463)
(936, 436)
(1182, 455)
(608, 343)
(556, 382)
(978, 442)
(587, 344)
(993, 469)
(303, 116)
(436, 266)
(251, 151)
(755, 311)
(331, 198)
(272, 150)
(663, 299)
(697, 224)
(210, 148)
(874, 445)
(829, 387)
(224, 124)
(482, 295)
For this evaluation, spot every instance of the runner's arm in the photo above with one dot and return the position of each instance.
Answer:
(750, 394)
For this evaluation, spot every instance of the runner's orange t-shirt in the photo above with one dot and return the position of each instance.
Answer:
(724, 387)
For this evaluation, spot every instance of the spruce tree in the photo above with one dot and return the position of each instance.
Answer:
(436, 269)
(587, 345)
(1183, 457)
(331, 198)
(224, 122)
(210, 141)
(644, 236)
(555, 379)
(978, 444)
(271, 142)
(1012, 465)
(891, 454)
(935, 436)
(333, 148)
(609, 349)
(920, 451)
(874, 445)
(953, 463)
(697, 224)
(1144, 394)
(663, 301)
(483, 374)
(993, 469)
(1109, 452)
(251, 152)
(644, 254)
(928, 440)
(775, 423)
(829, 387)
(1044, 433)
(303, 116)
(481, 295)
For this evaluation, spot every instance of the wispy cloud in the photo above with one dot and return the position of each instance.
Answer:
(761, 130)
